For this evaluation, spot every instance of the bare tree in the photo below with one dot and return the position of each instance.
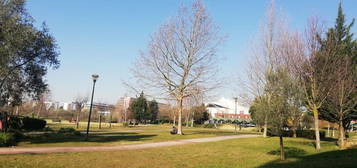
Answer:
(80, 103)
(290, 48)
(182, 54)
(195, 99)
(314, 73)
(342, 100)
(263, 60)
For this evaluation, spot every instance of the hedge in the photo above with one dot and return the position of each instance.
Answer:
(33, 123)
(310, 134)
(26, 123)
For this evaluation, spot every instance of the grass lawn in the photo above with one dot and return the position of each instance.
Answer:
(250, 152)
(118, 135)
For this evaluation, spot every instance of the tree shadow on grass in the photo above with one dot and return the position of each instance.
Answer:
(338, 158)
(289, 152)
(93, 137)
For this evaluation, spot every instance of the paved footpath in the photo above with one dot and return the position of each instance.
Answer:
(38, 150)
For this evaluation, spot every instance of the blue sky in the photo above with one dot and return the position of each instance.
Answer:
(105, 36)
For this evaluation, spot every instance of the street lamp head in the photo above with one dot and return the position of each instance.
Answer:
(95, 77)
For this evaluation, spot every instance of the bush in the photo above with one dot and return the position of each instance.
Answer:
(69, 131)
(208, 126)
(17, 134)
(114, 121)
(125, 124)
(48, 129)
(33, 123)
(15, 123)
(7, 139)
(310, 134)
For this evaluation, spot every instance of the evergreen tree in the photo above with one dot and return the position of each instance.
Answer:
(140, 108)
(153, 110)
(339, 47)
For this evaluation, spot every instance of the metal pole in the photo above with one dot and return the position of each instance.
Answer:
(235, 112)
(90, 109)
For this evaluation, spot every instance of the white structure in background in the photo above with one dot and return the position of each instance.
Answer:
(225, 108)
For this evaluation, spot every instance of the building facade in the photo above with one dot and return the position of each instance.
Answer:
(226, 109)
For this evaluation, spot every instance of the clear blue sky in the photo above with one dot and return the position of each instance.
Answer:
(105, 36)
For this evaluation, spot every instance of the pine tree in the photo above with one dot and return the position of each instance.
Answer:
(339, 47)
(139, 108)
(153, 110)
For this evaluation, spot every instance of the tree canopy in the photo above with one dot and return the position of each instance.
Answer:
(26, 53)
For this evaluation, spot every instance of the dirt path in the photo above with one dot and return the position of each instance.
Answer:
(37, 150)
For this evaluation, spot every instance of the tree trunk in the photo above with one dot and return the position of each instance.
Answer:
(328, 129)
(333, 132)
(179, 122)
(317, 131)
(110, 120)
(187, 119)
(77, 120)
(174, 123)
(282, 153)
(39, 110)
(193, 119)
(265, 133)
(294, 132)
(100, 121)
(17, 110)
(341, 134)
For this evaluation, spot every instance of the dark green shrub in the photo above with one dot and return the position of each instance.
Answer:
(310, 134)
(33, 123)
(15, 123)
(69, 131)
(7, 139)
(114, 121)
(155, 122)
(48, 129)
(208, 126)
(18, 135)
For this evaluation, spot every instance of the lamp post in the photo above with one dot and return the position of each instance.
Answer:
(94, 77)
(235, 112)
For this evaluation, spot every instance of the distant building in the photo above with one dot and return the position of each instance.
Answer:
(225, 108)
(124, 114)
(122, 108)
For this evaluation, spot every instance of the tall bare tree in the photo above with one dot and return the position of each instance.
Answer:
(182, 54)
(314, 72)
(263, 60)
(80, 103)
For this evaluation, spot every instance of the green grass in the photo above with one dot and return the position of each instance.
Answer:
(118, 135)
(250, 152)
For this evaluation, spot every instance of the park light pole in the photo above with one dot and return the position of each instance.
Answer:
(235, 113)
(94, 77)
